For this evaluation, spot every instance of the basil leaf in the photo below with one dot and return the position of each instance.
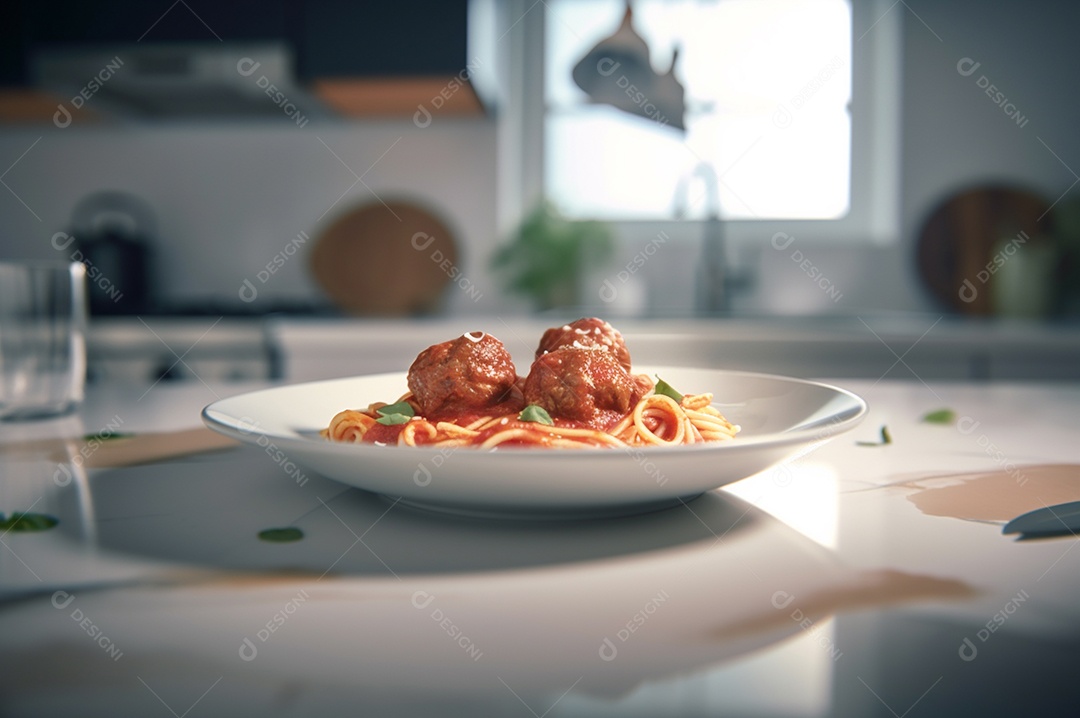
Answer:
(536, 414)
(662, 387)
(392, 419)
(22, 522)
(403, 408)
(886, 438)
(282, 535)
(941, 416)
(394, 414)
(107, 437)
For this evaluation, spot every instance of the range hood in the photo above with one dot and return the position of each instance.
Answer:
(175, 81)
(283, 61)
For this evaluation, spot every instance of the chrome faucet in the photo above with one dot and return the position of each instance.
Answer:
(715, 281)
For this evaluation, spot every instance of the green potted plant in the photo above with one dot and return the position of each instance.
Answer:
(548, 255)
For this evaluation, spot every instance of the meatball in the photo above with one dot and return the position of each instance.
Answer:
(583, 334)
(588, 386)
(472, 372)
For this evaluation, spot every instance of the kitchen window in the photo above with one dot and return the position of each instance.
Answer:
(791, 116)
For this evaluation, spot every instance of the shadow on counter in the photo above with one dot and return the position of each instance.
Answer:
(180, 512)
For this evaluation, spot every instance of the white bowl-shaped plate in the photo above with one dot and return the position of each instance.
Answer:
(780, 417)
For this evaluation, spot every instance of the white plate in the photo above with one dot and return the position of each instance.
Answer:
(780, 417)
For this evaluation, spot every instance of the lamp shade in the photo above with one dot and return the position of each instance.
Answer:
(618, 72)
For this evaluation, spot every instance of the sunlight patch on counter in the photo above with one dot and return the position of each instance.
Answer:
(802, 494)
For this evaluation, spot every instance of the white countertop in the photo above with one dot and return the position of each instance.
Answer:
(871, 346)
(853, 581)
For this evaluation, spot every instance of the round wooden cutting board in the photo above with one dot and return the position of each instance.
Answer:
(959, 238)
(393, 259)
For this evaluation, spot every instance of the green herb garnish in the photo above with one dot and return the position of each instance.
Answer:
(282, 535)
(941, 416)
(537, 414)
(393, 414)
(885, 439)
(22, 522)
(107, 437)
(662, 387)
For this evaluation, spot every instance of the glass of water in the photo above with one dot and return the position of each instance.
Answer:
(43, 322)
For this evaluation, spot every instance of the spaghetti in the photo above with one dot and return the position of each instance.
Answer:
(575, 396)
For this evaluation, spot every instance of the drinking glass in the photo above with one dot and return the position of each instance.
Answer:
(42, 339)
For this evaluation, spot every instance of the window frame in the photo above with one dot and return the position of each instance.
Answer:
(873, 215)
